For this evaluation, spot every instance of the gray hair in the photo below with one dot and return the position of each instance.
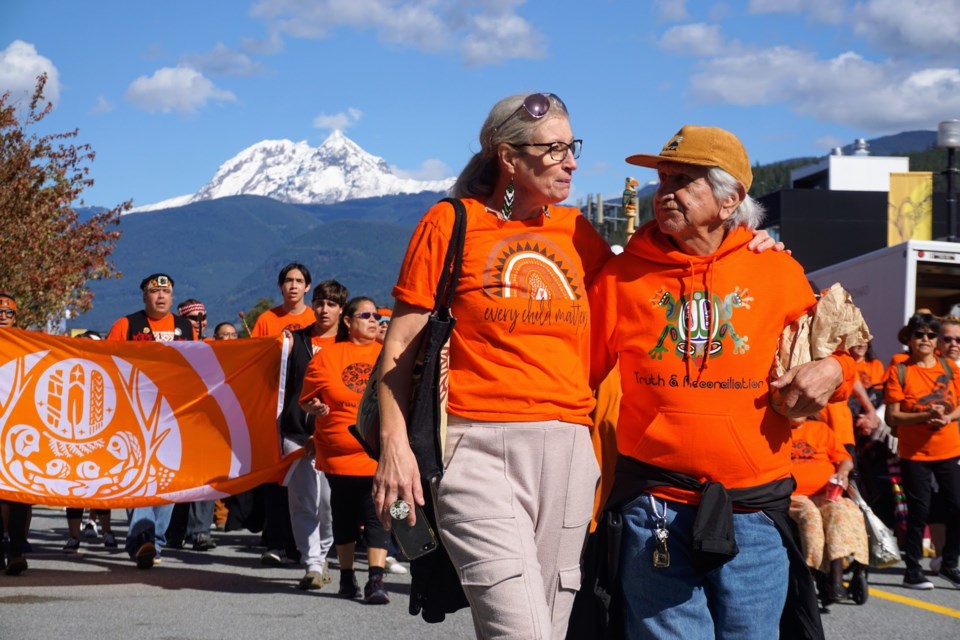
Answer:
(507, 122)
(749, 214)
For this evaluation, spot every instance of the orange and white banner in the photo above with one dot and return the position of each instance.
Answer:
(124, 424)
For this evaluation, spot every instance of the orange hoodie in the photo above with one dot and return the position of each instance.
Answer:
(695, 385)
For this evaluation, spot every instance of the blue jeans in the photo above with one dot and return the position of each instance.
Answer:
(740, 599)
(147, 524)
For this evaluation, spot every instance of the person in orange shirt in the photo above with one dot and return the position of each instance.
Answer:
(703, 479)
(921, 395)
(517, 492)
(832, 532)
(294, 283)
(332, 387)
(148, 525)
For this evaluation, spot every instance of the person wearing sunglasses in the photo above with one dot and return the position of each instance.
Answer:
(194, 311)
(518, 387)
(225, 331)
(332, 387)
(921, 396)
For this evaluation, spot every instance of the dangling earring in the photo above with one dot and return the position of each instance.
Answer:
(508, 193)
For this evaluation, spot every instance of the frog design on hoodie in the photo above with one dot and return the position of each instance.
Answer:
(690, 324)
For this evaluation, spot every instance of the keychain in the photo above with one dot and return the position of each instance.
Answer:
(661, 555)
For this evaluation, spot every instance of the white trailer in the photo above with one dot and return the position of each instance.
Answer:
(891, 283)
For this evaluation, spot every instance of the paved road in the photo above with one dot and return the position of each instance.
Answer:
(226, 594)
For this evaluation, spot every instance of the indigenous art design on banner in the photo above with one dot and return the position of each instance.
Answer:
(130, 424)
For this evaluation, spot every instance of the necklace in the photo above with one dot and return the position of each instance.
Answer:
(545, 212)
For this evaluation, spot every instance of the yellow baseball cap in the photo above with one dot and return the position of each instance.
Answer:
(704, 146)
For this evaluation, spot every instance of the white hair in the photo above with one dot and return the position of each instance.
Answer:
(749, 214)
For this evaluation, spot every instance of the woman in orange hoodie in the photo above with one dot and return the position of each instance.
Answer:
(336, 378)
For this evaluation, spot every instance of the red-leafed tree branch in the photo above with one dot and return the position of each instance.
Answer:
(48, 254)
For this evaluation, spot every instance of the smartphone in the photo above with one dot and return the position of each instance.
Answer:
(417, 540)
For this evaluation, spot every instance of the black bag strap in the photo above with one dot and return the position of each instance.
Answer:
(453, 262)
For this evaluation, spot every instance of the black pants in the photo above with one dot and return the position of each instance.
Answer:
(187, 520)
(277, 530)
(16, 527)
(917, 485)
(351, 504)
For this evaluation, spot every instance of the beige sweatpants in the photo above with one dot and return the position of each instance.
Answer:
(513, 508)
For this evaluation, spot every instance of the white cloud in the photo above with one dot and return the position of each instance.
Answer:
(223, 61)
(103, 106)
(847, 89)
(20, 64)
(828, 142)
(485, 31)
(698, 39)
(341, 121)
(180, 88)
(670, 10)
(429, 170)
(910, 26)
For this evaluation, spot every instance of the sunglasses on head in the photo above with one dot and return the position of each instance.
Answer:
(366, 315)
(536, 104)
(197, 317)
(920, 335)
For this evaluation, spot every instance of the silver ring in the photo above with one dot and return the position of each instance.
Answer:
(400, 510)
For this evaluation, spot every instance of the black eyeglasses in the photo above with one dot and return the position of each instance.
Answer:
(366, 315)
(951, 339)
(920, 335)
(557, 150)
(198, 317)
(536, 104)
(8, 313)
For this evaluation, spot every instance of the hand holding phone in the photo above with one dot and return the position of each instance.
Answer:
(414, 541)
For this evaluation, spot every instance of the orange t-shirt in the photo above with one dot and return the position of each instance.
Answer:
(274, 321)
(707, 415)
(922, 388)
(838, 417)
(337, 375)
(520, 347)
(163, 330)
(814, 457)
(871, 373)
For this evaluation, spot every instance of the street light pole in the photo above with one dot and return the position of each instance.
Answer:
(948, 137)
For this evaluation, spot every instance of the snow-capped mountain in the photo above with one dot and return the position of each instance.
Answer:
(297, 173)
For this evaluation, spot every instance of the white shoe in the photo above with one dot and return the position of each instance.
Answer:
(936, 563)
(90, 529)
(395, 567)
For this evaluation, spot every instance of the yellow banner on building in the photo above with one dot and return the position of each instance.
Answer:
(910, 207)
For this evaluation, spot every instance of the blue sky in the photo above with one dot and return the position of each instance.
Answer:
(165, 92)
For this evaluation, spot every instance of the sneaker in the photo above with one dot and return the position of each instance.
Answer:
(109, 540)
(273, 557)
(146, 555)
(936, 563)
(917, 581)
(374, 592)
(348, 585)
(203, 542)
(951, 575)
(311, 580)
(90, 529)
(72, 546)
(394, 566)
(16, 566)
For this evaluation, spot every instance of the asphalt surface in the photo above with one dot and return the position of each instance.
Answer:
(226, 593)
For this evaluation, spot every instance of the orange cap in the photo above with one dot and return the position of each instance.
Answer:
(704, 146)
